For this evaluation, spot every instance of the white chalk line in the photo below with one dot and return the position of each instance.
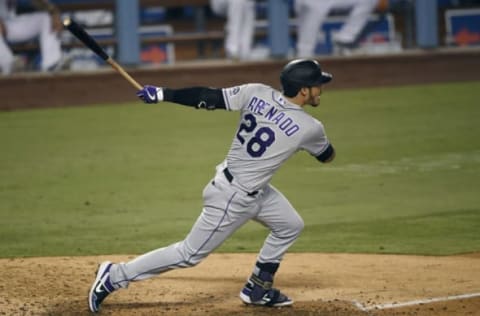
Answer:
(364, 308)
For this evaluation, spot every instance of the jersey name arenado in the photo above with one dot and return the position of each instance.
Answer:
(271, 129)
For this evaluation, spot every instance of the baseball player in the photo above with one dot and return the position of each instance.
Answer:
(273, 126)
(23, 27)
(240, 15)
(312, 13)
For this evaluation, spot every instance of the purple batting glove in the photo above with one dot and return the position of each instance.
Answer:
(150, 94)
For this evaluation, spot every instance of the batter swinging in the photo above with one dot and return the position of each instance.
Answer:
(273, 126)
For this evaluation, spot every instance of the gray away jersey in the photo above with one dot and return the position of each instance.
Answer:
(271, 129)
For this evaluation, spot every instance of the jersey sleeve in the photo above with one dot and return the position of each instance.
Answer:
(315, 141)
(236, 97)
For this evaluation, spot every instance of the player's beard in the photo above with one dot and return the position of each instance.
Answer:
(313, 100)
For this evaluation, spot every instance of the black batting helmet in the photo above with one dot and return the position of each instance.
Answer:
(300, 73)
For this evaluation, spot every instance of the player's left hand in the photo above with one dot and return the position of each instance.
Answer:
(150, 94)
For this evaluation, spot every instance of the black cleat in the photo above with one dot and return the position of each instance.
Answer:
(271, 298)
(101, 288)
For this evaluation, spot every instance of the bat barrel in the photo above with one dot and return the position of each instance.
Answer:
(84, 37)
(90, 42)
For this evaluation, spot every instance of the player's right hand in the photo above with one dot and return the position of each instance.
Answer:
(150, 94)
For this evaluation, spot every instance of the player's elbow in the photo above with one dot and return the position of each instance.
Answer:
(331, 158)
(328, 155)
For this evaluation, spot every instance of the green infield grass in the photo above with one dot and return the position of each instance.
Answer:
(125, 179)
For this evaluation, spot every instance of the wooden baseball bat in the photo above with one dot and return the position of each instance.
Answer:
(86, 39)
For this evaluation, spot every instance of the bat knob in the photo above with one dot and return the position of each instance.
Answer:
(67, 22)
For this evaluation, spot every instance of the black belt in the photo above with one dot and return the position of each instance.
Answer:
(229, 177)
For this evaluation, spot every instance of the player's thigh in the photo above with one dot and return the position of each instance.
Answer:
(27, 26)
(278, 214)
(224, 211)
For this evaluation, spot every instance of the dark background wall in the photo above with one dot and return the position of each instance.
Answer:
(106, 86)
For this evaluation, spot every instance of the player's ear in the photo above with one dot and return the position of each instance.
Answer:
(304, 91)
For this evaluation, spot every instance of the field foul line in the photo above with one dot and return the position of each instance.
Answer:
(364, 308)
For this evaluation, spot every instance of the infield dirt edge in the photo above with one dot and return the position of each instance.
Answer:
(326, 284)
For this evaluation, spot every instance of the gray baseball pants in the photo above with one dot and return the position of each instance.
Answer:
(226, 208)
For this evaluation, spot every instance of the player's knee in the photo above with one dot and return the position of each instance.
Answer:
(195, 259)
(298, 225)
(44, 20)
(294, 228)
(191, 257)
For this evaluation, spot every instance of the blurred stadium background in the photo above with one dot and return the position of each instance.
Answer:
(180, 43)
